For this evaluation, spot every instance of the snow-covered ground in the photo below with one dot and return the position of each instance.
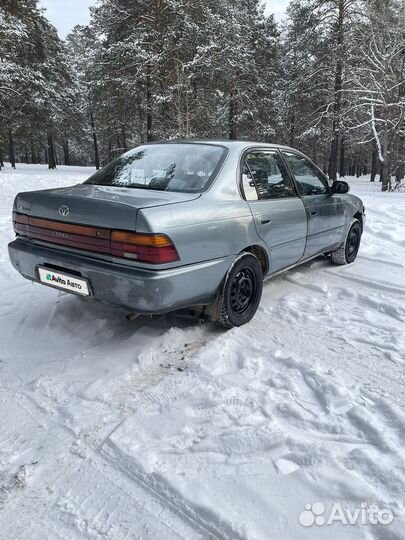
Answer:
(167, 429)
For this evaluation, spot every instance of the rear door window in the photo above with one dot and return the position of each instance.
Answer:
(265, 177)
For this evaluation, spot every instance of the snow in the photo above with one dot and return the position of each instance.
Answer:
(170, 429)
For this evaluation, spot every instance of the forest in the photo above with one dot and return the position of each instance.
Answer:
(329, 80)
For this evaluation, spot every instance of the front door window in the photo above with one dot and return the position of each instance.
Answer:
(310, 180)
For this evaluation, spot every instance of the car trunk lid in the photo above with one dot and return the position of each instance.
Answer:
(99, 206)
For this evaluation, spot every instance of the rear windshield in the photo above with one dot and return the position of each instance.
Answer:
(188, 168)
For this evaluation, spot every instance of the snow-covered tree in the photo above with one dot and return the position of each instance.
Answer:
(378, 84)
(35, 85)
(304, 85)
(330, 81)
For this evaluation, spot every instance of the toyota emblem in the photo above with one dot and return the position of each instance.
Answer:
(64, 210)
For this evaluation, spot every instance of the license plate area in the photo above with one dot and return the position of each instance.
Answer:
(63, 281)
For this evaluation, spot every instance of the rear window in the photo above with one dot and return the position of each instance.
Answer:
(187, 168)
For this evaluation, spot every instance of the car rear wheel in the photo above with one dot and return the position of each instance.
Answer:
(347, 252)
(241, 292)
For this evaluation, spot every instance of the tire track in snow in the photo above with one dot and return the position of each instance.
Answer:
(206, 526)
(170, 357)
(328, 432)
(73, 509)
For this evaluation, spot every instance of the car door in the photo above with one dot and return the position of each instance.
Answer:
(279, 214)
(325, 212)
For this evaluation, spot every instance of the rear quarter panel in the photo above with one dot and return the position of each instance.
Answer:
(204, 229)
(217, 224)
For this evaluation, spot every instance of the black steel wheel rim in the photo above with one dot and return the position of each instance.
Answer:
(352, 243)
(243, 290)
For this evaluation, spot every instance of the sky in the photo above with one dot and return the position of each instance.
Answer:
(277, 7)
(65, 14)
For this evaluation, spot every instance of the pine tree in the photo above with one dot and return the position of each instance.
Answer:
(378, 84)
(34, 80)
(304, 85)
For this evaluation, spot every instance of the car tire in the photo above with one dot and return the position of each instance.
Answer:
(347, 252)
(241, 292)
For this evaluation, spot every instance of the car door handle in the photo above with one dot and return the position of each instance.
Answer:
(313, 213)
(264, 220)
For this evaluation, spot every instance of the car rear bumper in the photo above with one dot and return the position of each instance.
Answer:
(141, 290)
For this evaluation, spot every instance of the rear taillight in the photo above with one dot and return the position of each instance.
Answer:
(21, 219)
(149, 248)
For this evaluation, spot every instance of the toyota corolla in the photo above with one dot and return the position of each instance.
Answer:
(186, 224)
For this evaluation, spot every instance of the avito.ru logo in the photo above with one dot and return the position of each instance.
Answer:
(314, 514)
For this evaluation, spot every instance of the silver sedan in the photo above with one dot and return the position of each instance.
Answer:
(186, 224)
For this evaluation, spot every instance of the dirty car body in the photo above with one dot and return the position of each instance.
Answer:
(161, 227)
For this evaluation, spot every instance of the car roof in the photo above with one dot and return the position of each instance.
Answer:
(223, 142)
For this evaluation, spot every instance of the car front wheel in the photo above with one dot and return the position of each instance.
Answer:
(241, 292)
(347, 252)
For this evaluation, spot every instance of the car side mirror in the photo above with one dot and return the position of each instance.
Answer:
(340, 187)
